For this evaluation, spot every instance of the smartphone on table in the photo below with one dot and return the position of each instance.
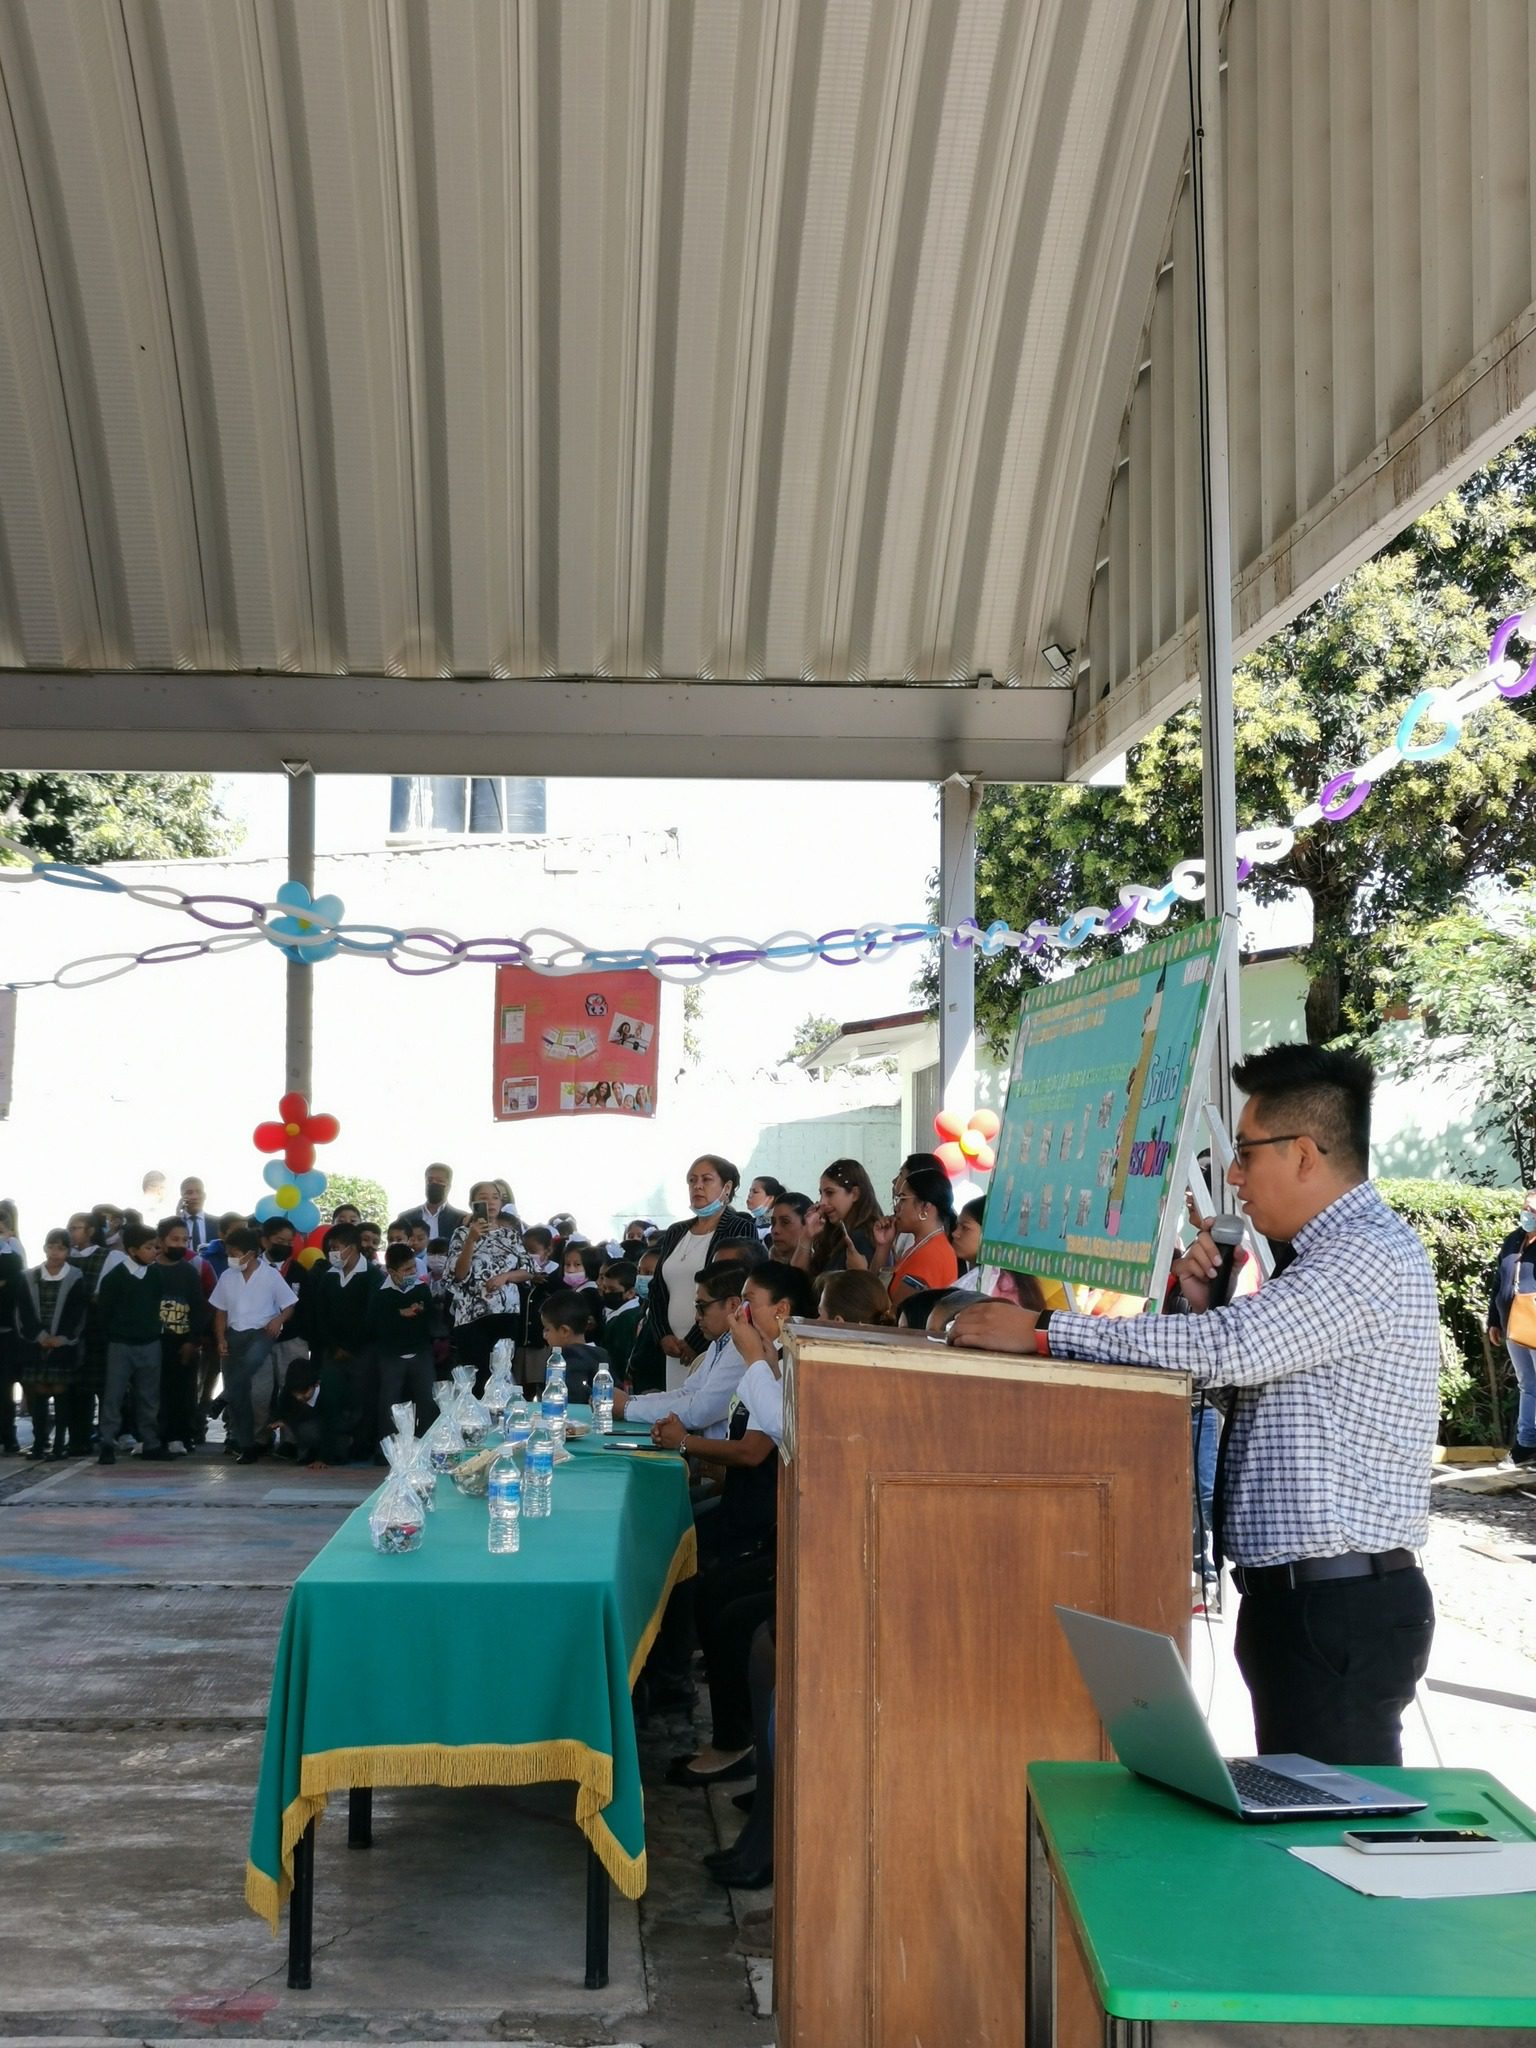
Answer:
(1417, 1841)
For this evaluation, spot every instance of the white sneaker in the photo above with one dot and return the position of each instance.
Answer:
(175, 1448)
(127, 1443)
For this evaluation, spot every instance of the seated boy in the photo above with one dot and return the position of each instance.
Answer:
(311, 1415)
(567, 1321)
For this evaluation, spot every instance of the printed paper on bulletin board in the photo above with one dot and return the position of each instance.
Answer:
(574, 1045)
(1098, 1097)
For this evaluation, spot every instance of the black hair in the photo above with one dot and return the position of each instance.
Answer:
(743, 1252)
(731, 1175)
(620, 1271)
(369, 1224)
(931, 1184)
(771, 1187)
(344, 1233)
(721, 1283)
(788, 1200)
(273, 1225)
(136, 1233)
(439, 1166)
(242, 1239)
(438, 1244)
(915, 1162)
(536, 1233)
(1324, 1095)
(62, 1237)
(166, 1223)
(397, 1256)
(787, 1283)
(568, 1311)
(975, 1210)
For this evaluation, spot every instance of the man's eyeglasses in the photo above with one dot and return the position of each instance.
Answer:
(1241, 1147)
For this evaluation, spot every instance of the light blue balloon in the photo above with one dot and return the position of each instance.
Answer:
(267, 1208)
(305, 1217)
(274, 1173)
(308, 1184)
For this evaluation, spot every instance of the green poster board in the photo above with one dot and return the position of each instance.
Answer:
(1100, 1114)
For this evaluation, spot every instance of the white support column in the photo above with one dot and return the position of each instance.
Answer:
(958, 801)
(1218, 745)
(301, 982)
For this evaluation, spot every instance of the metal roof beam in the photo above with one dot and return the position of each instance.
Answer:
(381, 725)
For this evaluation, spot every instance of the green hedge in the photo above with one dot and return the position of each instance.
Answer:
(1462, 1228)
(367, 1195)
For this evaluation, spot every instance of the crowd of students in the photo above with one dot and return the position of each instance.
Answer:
(131, 1335)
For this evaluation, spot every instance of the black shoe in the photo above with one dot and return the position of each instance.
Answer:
(57, 1455)
(1522, 1454)
(37, 1453)
(680, 1771)
(744, 1877)
(248, 1457)
(107, 1455)
(10, 1448)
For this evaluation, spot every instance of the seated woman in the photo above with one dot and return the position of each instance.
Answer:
(735, 1591)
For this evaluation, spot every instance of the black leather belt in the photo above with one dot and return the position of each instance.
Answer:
(1311, 1571)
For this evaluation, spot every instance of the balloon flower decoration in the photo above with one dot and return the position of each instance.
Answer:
(966, 1142)
(293, 1179)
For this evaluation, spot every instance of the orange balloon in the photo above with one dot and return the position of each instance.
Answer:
(952, 1159)
(971, 1142)
(984, 1159)
(949, 1123)
(987, 1121)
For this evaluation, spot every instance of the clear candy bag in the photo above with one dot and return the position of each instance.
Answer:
(397, 1520)
(500, 1387)
(416, 1459)
(471, 1414)
(443, 1441)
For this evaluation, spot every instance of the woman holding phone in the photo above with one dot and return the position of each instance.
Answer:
(486, 1261)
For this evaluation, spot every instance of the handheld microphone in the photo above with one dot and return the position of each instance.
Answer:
(1228, 1232)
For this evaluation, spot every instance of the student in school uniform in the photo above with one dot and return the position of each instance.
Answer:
(252, 1305)
(567, 1320)
(621, 1312)
(51, 1301)
(336, 1305)
(129, 1299)
(400, 1331)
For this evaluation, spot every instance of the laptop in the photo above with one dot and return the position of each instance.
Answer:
(1150, 1713)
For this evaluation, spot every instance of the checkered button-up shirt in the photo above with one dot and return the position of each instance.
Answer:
(1335, 1363)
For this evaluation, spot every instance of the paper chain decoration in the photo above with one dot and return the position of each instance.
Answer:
(312, 930)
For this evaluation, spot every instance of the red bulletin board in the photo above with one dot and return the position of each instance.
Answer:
(574, 1045)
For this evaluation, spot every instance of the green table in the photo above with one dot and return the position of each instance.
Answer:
(453, 1667)
(1193, 1922)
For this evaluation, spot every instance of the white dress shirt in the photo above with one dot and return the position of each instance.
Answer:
(703, 1401)
(250, 1302)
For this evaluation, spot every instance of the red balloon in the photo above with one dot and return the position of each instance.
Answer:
(952, 1159)
(987, 1121)
(269, 1137)
(323, 1129)
(292, 1108)
(984, 1159)
(949, 1123)
(299, 1157)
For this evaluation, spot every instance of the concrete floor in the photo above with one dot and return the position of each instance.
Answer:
(139, 1615)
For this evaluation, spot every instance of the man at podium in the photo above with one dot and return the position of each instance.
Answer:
(1322, 1490)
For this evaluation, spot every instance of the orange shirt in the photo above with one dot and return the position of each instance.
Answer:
(930, 1264)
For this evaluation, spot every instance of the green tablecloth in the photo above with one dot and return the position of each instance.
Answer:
(453, 1667)
(1186, 1914)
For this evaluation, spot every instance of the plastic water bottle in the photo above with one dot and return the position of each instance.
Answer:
(554, 1402)
(539, 1474)
(504, 1495)
(517, 1424)
(602, 1401)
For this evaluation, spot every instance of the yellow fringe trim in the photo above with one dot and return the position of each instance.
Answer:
(476, 1763)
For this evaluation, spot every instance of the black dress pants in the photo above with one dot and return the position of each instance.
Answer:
(1331, 1666)
(731, 1604)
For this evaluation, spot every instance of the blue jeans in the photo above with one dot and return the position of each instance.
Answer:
(1523, 1359)
(1205, 1440)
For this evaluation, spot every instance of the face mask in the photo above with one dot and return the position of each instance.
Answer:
(1528, 1220)
(758, 1208)
(642, 1284)
(173, 1252)
(701, 1209)
(611, 1296)
(575, 1279)
(436, 1263)
(335, 1259)
(437, 1194)
(277, 1253)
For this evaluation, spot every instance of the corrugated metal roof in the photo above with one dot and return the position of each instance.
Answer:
(740, 339)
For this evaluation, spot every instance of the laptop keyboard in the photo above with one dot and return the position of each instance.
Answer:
(1260, 1787)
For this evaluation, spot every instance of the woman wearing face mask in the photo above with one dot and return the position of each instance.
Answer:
(1512, 1322)
(761, 1196)
(485, 1256)
(686, 1248)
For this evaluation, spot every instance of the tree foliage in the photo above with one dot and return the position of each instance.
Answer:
(810, 1032)
(1473, 982)
(91, 818)
(1321, 695)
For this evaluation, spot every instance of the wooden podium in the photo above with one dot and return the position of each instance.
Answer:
(935, 1505)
